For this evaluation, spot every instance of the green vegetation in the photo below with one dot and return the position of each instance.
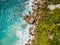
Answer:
(48, 30)
(54, 1)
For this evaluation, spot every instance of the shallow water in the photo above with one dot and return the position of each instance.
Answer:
(13, 29)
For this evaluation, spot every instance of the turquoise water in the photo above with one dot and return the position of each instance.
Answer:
(11, 21)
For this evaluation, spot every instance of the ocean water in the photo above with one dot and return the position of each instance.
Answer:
(13, 29)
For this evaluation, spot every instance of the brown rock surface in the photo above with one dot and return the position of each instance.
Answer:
(34, 17)
(31, 28)
(29, 19)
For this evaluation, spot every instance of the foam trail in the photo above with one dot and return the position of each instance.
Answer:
(24, 35)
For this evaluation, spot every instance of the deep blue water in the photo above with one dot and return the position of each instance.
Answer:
(10, 20)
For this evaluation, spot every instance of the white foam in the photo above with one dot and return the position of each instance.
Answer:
(28, 7)
(23, 35)
(19, 34)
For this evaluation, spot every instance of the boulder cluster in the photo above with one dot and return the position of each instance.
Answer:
(33, 17)
(29, 19)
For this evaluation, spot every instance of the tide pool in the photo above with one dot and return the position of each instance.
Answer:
(13, 29)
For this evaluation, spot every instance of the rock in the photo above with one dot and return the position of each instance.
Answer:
(26, 16)
(58, 6)
(58, 24)
(32, 21)
(31, 33)
(29, 19)
(27, 44)
(51, 7)
(50, 36)
(31, 28)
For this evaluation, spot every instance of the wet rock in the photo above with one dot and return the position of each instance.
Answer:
(31, 28)
(27, 44)
(26, 16)
(32, 20)
(29, 19)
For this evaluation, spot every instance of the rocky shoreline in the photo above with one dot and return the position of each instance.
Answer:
(33, 18)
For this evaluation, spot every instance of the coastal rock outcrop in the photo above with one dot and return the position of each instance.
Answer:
(29, 19)
(33, 18)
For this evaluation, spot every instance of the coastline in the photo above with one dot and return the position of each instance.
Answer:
(30, 28)
(30, 22)
(23, 34)
(32, 18)
(38, 7)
